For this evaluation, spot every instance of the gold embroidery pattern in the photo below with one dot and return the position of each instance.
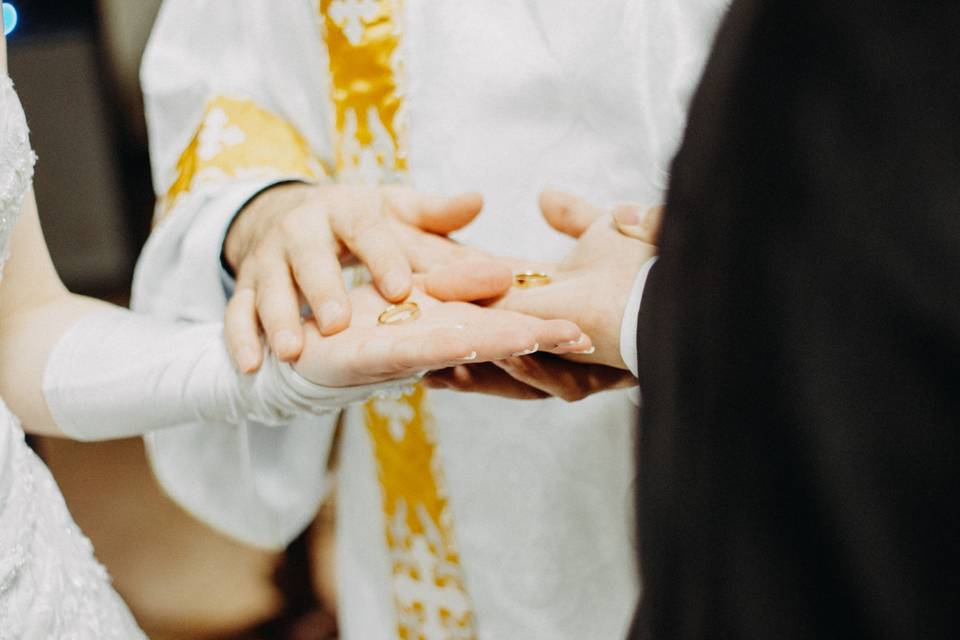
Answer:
(428, 584)
(429, 590)
(238, 139)
(363, 40)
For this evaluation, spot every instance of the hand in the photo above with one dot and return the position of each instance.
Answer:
(591, 284)
(532, 378)
(445, 334)
(290, 241)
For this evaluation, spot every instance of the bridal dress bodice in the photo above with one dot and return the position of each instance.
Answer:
(50, 584)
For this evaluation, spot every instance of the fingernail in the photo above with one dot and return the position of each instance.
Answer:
(395, 284)
(284, 341)
(330, 312)
(588, 352)
(633, 231)
(247, 358)
(470, 358)
(527, 352)
(573, 343)
(627, 214)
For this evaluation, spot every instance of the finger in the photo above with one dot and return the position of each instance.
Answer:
(385, 357)
(279, 310)
(561, 336)
(438, 348)
(469, 280)
(431, 213)
(241, 331)
(567, 213)
(426, 251)
(482, 378)
(565, 380)
(320, 279)
(359, 223)
(565, 338)
(542, 302)
(635, 222)
(489, 325)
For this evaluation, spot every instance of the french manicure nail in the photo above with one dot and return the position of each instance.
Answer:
(470, 358)
(588, 352)
(329, 313)
(526, 352)
(573, 343)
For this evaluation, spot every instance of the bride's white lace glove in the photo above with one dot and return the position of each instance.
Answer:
(116, 374)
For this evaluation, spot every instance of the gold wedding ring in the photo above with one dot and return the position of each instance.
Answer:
(399, 313)
(530, 279)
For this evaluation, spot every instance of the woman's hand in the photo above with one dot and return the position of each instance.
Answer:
(444, 334)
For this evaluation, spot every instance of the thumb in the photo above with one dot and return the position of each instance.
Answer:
(469, 280)
(567, 213)
(635, 222)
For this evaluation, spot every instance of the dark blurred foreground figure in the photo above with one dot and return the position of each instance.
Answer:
(800, 337)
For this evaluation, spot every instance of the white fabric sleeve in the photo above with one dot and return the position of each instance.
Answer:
(116, 373)
(260, 484)
(628, 326)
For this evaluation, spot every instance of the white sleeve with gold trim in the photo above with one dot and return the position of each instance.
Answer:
(236, 100)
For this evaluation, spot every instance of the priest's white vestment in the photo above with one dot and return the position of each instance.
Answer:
(458, 515)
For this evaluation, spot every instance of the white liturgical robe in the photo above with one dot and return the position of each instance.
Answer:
(459, 515)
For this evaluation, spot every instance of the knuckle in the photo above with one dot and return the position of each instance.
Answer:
(381, 263)
(291, 224)
(261, 255)
(372, 232)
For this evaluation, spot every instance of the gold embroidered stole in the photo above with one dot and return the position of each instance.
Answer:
(363, 38)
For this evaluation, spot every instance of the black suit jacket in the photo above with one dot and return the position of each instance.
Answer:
(800, 337)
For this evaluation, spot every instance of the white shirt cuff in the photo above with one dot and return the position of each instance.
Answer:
(628, 327)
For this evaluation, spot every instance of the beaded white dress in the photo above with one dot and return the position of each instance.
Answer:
(51, 587)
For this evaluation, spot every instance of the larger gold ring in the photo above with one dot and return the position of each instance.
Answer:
(529, 279)
(399, 313)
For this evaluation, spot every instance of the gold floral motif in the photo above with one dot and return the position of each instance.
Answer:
(237, 138)
(430, 593)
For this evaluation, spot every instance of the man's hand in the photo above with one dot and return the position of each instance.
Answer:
(532, 378)
(592, 283)
(288, 244)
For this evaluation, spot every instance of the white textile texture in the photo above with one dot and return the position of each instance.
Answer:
(50, 584)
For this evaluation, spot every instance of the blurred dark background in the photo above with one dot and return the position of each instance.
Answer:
(75, 65)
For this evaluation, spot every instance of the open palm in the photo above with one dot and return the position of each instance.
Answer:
(443, 335)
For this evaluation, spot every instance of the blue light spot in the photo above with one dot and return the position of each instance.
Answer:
(9, 18)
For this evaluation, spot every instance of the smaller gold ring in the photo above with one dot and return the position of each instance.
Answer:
(529, 279)
(399, 313)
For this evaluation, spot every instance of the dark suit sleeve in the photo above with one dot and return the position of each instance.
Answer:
(799, 340)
